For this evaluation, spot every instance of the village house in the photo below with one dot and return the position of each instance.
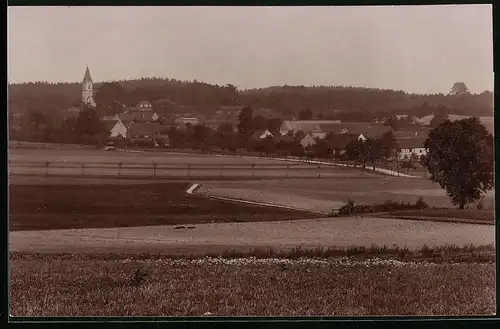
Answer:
(116, 128)
(307, 141)
(144, 133)
(261, 134)
(185, 120)
(214, 124)
(307, 126)
(411, 148)
(337, 144)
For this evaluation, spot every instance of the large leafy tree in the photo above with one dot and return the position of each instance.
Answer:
(245, 125)
(110, 98)
(459, 88)
(89, 126)
(388, 144)
(460, 159)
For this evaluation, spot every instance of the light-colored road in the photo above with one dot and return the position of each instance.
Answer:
(284, 234)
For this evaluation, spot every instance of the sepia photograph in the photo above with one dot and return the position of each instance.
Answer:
(293, 161)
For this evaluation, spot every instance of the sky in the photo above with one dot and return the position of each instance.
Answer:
(418, 49)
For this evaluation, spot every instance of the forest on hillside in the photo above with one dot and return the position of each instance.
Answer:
(174, 95)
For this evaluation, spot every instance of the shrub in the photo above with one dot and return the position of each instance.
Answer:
(421, 204)
(347, 209)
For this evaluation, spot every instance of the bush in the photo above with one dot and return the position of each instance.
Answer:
(421, 204)
(387, 206)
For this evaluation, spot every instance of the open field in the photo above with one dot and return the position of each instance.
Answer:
(37, 207)
(327, 232)
(238, 287)
(161, 164)
(325, 194)
(474, 215)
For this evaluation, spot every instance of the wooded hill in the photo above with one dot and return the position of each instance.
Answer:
(206, 98)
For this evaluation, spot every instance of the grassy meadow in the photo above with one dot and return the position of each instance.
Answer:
(123, 285)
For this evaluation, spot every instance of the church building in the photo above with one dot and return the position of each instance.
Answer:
(88, 89)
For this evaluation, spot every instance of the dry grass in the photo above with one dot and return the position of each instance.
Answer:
(245, 287)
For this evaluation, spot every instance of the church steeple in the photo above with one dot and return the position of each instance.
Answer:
(87, 89)
(87, 76)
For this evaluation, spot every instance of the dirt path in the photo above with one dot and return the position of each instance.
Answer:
(283, 234)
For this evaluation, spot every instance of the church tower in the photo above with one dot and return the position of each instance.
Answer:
(88, 89)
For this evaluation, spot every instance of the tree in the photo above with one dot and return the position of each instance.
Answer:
(438, 118)
(90, 127)
(299, 135)
(357, 150)
(393, 122)
(373, 151)
(274, 125)
(459, 88)
(305, 114)
(388, 144)
(321, 149)
(245, 125)
(258, 123)
(460, 159)
(110, 98)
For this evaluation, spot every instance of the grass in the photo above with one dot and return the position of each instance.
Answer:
(38, 207)
(437, 254)
(487, 216)
(64, 286)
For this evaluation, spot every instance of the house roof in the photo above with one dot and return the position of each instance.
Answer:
(258, 133)
(139, 129)
(366, 129)
(110, 118)
(87, 76)
(340, 141)
(284, 138)
(306, 126)
(409, 143)
(109, 124)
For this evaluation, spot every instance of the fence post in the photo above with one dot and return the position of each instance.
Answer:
(154, 168)
(253, 169)
(10, 168)
(120, 164)
(319, 171)
(47, 163)
(83, 169)
(286, 171)
(189, 170)
(221, 167)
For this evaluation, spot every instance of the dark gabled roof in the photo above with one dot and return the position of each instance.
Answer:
(87, 76)
(284, 138)
(139, 129)
(410, 143)
(340, 141)
(109, 124)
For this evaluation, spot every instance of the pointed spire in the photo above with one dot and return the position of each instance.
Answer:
(87, 76)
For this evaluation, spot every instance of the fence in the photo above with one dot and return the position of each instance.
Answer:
(159, 169)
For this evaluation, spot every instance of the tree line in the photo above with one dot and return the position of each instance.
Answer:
(308, 102)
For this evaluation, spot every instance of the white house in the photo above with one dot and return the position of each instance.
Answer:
(116, 128)
(262, 134)
(411, 148)
(308, 140)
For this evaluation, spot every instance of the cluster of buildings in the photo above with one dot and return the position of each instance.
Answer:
(142, 123)
(410, 142)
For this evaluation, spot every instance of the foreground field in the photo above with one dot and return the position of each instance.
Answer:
(325, 194)
(38, 207)
(328, 232)
(246, 287)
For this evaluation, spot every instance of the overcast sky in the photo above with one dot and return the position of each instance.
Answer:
(421, 49)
